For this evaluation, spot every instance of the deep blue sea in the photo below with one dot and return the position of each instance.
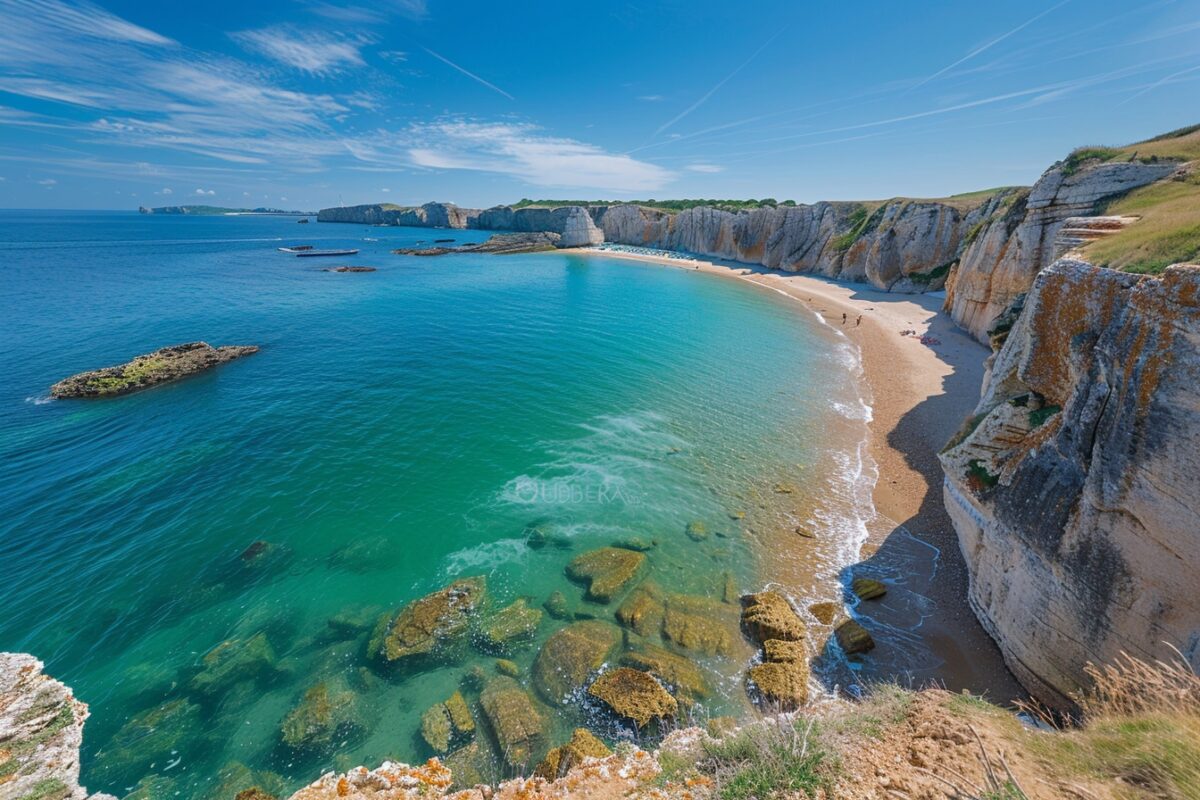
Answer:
(439, 418)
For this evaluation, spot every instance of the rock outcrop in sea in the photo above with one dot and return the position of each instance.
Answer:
(161, 366)
(1074, 485)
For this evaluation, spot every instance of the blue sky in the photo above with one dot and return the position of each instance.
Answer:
(311, 103)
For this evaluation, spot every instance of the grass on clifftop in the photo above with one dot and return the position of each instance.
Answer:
(1167, 231)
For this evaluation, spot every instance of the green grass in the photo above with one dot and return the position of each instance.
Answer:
(858, 219)
(48, 789)
(1038, 418)
(132, 375)
(1167, 231)
(775, 758)
(937, 273)
(1080, 156)
(978, 474)
(663, 205)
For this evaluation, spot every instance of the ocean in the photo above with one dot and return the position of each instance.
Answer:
(204, 563)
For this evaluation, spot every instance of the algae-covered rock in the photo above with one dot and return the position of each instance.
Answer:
(680, 673)
(571, 655)
(448, 724)
(606, 571)
(150, 735)
(780, 684)
(783, 651)
(853, 637)
(236, 780)
(636, 543)
(514, 718)
(701, 624)
(643, 610)
(560, 760)
(508, 667)
(471, 764)
(556, 605)
(233, 661)
(769, 615)
(320, 715)
(868, 588)
(474, 679)
(509, 628)
(436, 623)
(634, 695)
(729, 589)
(161, 366)
(696, 530)
(825, 612)
(351, 622)
(153, 787)
(541, 534)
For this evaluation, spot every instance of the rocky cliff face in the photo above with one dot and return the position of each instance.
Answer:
(41, 730)
(430, 215)
(1011, 247)
(1074, 486)
(571, 223)
(903, 245)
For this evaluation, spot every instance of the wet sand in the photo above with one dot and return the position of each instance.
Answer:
(921, 395)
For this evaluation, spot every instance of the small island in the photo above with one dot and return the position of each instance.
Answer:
(221, 211)
(161, 366)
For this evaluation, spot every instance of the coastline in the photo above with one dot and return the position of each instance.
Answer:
(921, 393)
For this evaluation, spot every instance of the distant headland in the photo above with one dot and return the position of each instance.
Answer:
(218, 211)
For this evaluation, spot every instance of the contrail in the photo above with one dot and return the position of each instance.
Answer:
(704, 98)
(470, 75)
(988, 45)
(1159, 83)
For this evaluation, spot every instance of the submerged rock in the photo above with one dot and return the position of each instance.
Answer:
(541, 534)
(636, 543)
(782, 685)
(238, 781)
(769, 615)
(506, 667)
(678, 672)
(571, 655)
(560, 760)
(556, 605)
(701, 624)
(696, 530)
(234, 661)
(320, 715)
(643, 611)
(854, 638)
(161, 366)
(349, 269)
(634, 695)
(509, 628)
(606, 571)
(500, 243)
(825, 612)
(447, 724)
(868, 588)
(515, 720)
(434, 624)
(150, 735)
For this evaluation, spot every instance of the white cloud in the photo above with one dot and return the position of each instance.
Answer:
(385, 190)
(704, 168)
(164, 190)
(310, 51)
(651, 98)
(523, 152)
(48, 182)
(245, 194)
(395, 56)
(208, 193)
(414, 9)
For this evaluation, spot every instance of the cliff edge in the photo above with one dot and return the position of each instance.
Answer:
(1073, 486)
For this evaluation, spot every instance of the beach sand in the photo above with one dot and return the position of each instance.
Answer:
(921, 394)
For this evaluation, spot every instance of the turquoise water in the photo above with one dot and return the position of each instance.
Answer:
(398, 430)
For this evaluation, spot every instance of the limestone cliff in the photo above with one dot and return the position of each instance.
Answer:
(1011, 247)
(41, 730)
(571, 223)
(1074, 486)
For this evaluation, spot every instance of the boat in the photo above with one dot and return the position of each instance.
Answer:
(296, 248)
(328, 252)
(303, 221)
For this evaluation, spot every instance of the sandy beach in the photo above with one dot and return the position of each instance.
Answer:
(921, 394)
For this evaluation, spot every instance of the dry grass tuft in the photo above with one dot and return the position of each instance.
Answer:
(1130, 686)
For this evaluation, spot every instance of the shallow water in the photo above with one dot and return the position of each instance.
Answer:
(398, 430)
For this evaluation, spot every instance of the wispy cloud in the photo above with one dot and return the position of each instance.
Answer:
(704, 97)
(651, 98)
(524, 152)
(988, 45)
(165, 190)
(709, 168)
(48, 182)
(470, 75)
(205, 192)
(1161, 82)
(310, 51)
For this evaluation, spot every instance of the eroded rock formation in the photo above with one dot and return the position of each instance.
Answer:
(1074, 486)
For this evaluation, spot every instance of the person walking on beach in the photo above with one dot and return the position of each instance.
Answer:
(843, 317)
(858, 321)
